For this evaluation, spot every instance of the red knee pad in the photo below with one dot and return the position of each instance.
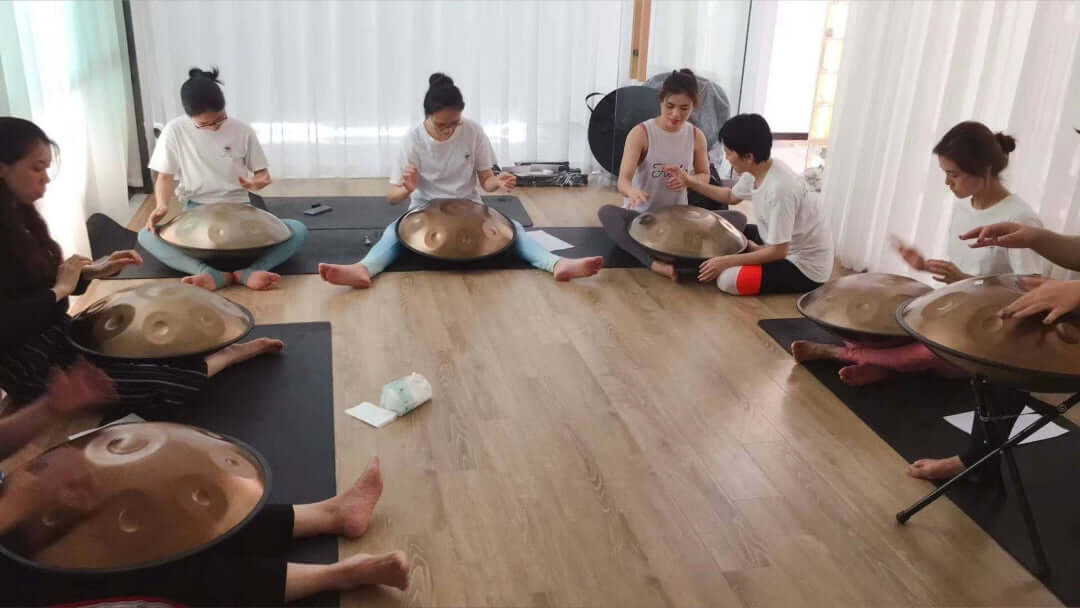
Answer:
(748, 283)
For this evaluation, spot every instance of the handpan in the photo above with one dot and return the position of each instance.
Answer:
(231, 235)
(158, 321)
(128, 496)
(686, 232)
(457, 230)
(862, 307)
(961, 323)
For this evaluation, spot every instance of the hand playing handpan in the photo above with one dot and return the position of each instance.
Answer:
(258, 182)
(112, 264)
(908, 253)
(945, 271)
(81, 387)
(1055, 298)
(1004, 234)
(638, 198)
(677, 178)
(410, 178)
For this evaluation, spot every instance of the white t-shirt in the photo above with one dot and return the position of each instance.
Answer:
(992, 260)
(447, 168)
(789, 212)
(208, 163)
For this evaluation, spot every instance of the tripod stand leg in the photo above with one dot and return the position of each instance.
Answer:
(1042, 568)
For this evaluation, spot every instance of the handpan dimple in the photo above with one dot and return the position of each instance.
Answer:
(159, 321)
(455, 229)
(686, 232)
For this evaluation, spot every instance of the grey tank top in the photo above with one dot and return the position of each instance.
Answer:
(664, 149)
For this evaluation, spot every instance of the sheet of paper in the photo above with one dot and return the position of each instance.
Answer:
(372, 414)
(551, 243)
(128, 418)
(965, 420)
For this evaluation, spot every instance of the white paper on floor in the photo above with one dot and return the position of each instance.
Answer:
(964, 421)
(372, 414)
(551, 243)
(128, 418)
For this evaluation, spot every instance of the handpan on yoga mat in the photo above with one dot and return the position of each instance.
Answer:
(159, 321)
(348, 246)
(370, 211)
(908, 413)
(455, 230)
(283, 407)
(686, 232)
(134, 495)
(862, 307)
(228, 235)
(962, 324)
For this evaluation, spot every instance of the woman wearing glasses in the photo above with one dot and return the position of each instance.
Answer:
(448, 157)
(206, 158)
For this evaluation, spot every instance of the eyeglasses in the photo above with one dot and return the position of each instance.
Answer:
(446, 128)
(212, 124)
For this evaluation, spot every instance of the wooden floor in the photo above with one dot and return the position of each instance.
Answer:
(619, 441)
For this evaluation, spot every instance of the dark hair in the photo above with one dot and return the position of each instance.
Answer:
(682, 81)
(201, 94)
(442, 94)
(748, 134)
(27, 251)
(976, 149)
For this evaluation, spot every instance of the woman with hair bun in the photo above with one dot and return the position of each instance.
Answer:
(972, 157)
(205, 158)
(448, 156)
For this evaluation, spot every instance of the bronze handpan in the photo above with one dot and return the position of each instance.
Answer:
(456, 230)
(686, 232)
(231, 235)
(961, 323)
(862, 307)
(158, 321)
(128, 496)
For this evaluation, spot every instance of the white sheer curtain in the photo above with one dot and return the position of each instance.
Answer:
(65, 67)
(331, 87)
(708, 37)
(910, 71)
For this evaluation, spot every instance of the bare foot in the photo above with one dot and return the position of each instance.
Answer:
(804, 350)
(351, 275)
(238, 353)
(664, 269)
(206, 281)
(391, 569)
(354, 507)
(935, 468)
(862, 374)
(578, 268)
(258, 280)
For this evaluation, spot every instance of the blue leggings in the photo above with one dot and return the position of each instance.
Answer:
(384, 252)
(178, 260)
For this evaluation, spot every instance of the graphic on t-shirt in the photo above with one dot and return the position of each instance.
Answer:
(658, 170)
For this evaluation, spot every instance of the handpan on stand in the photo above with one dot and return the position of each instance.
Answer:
(961, 323)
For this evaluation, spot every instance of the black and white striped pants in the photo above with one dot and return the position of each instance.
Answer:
(142, 386)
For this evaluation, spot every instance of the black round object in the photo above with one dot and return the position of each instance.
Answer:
(612, 118)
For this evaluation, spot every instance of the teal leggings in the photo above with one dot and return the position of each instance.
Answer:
(178, 260)
(387, 249)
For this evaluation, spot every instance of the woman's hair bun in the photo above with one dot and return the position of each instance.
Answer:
(199, 73)
(1007, 142)
(438, 79)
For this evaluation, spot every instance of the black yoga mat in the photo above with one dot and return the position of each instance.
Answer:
(345, 246)
(283, 406)
(907, 412)
(369, 211)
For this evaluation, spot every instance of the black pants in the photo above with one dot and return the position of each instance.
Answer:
(986, 437)
(247, 569)
(616, 222)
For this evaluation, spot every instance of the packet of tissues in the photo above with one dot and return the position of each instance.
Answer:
(405, 394)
